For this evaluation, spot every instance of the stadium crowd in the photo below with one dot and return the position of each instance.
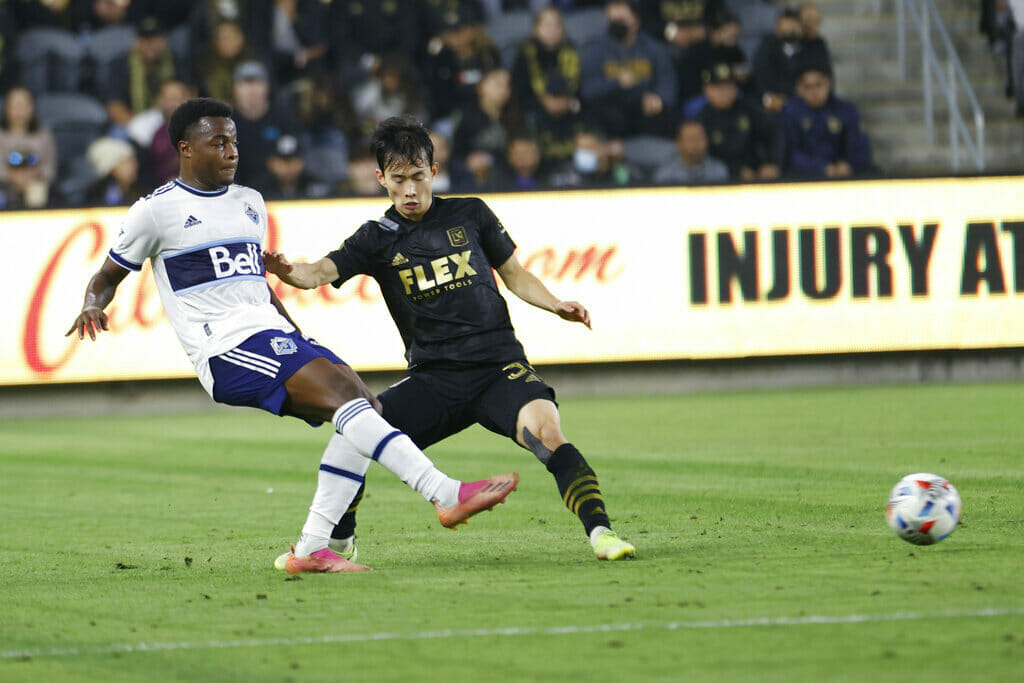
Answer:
(520, 94)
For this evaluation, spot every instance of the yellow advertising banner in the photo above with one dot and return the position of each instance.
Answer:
(667, 273)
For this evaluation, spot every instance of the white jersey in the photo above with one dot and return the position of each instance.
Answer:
(206, 253)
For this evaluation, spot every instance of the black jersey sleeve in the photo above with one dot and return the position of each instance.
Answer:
(355, 255)
(497, 244)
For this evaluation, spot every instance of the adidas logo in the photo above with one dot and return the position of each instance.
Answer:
(398, 260)
(192, 221)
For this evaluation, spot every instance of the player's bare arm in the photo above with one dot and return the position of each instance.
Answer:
(301, 275)
(530, 289)
(98, 295)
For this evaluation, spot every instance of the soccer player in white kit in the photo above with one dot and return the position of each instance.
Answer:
(203, 236)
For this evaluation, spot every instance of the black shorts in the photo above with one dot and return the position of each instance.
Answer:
(430, 405)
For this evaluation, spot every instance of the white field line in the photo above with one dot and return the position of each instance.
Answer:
(512, 631)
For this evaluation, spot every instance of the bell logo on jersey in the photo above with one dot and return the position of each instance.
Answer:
(417, 279)
(226, 264)
(210, 264)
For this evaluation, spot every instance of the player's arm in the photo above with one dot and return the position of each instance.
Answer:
(98, 294)
(530, 289)
(301, 275)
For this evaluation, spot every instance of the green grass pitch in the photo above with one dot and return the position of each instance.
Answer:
(141, 549)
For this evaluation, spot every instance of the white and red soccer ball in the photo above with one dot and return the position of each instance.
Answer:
(923, 508)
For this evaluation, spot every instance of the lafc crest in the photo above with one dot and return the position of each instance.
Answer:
(457, 236)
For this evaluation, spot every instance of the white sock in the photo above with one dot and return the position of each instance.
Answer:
(595, 532)
(358, 422)
(342, 545)
(342, 471)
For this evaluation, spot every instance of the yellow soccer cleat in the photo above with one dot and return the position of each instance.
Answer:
(609, 546)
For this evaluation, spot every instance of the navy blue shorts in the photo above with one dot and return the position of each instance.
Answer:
(254, 372)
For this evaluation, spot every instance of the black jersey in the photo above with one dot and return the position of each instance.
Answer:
(436, 278)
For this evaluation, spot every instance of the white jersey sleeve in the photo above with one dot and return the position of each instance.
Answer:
(139, 238)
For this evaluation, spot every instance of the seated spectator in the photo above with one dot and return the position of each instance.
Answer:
(557, 124)
(324, 123)
(775, 55)
(822, 133)
(523, 162)
(725, 48)
(286, 176)
(252, 15)
(362, 33)
(596, 162)
(739, 132)
(676, 21)
(693, 165)
(482, 134)
(258, 125)
(691, 58)
(392, 90)
(23, 186)
(93, 15)
(362, 176)
(298, 38)
(29, 14)
(116, 168)
(812, 44)
(148, 130)
(226, 50)
(171, 14)
(628, 81)
(136, 78)
(546, 53)
(442, 157)
(458, 61)
(21, 132)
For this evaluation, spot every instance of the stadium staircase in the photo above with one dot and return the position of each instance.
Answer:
(864, 49)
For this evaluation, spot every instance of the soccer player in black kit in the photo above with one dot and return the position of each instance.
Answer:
(432, 258)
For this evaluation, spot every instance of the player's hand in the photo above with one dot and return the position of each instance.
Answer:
(573, 311)
(91, 321)
(276, 263)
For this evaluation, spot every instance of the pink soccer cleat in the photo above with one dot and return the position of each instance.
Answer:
(324, 561)
(477, 496)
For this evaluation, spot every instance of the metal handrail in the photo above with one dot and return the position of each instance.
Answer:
(951, 80)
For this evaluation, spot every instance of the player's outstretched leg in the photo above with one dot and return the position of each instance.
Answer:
(582, 495)
(476, 497)
(341, 476)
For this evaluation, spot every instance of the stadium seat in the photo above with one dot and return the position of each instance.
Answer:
(50, 60)
(105, 47)
(509, 29)
(647, 153)
(76, 120)
(584, 25)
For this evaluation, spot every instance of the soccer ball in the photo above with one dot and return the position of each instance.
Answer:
(923, 508)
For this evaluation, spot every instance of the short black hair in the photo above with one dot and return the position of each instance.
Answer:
(188, 114)
(400, 139)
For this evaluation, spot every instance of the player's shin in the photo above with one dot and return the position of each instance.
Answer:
(342, 472)
(358, 422)
(579, 488)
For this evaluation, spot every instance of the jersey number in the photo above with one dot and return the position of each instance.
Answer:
(517, 370)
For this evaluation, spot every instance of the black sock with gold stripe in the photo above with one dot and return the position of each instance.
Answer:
(578, 485)
(347, 526)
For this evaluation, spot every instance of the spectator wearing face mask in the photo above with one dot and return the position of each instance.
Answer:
(628, 81)
(596, 162)
(776, 55)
